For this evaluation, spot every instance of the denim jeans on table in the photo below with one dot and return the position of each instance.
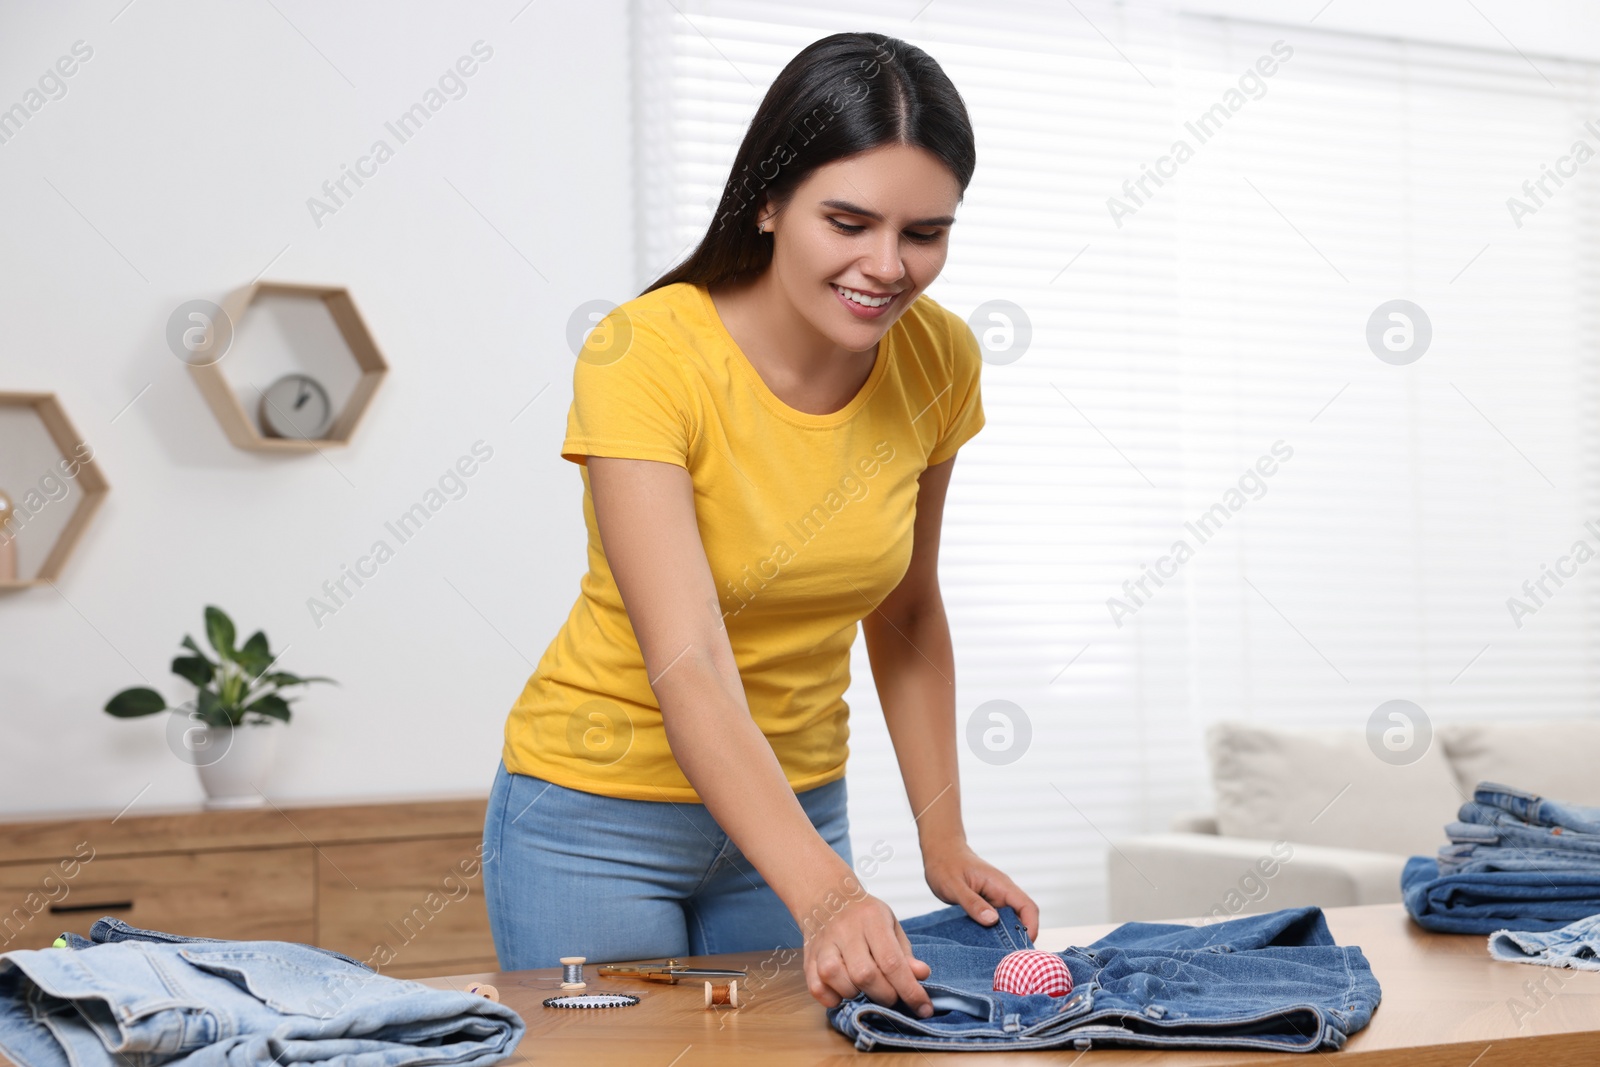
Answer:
(1536, 810)
(110, 928)
(571, 873)
(144, 997)
(1273, 982)
(1481, 824)
(1546, 897)
(1478, 859)
(1576, 945)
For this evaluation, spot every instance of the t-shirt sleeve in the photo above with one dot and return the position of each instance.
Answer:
(965, 398)
(634, 406)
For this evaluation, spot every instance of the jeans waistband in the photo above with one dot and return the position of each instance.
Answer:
(109, 928)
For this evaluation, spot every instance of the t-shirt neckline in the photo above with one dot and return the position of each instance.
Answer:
(771, 399)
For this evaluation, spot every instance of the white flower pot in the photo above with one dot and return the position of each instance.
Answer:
(234, 763)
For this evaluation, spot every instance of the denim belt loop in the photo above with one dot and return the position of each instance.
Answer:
(1012, 1022)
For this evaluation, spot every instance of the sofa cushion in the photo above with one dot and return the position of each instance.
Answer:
(1168, 876)
(1556, 758)
(1326, 787)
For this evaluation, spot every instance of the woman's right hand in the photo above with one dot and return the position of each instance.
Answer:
(861, 948)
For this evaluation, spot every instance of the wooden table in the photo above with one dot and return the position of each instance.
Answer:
(1446, 1003)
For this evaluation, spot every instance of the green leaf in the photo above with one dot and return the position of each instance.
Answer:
(272, 706)
(131, 703)
(208, 706)
(219, 631)
(254, 655)
(196, 669)
(188, 642)
(282, 678)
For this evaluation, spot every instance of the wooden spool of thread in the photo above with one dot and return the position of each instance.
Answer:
(484, 989)
(572, 972)
(727, 994)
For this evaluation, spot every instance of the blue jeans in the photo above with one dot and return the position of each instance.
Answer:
(1536, 810)
(1535, 897)
(109, 928)
(1513, 832)
(1576, 946)
(1481, 824)
(1478, 859)
(130, 996)
(1275, 982)
(570, 873)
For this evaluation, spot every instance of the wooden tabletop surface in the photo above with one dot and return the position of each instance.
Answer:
(1446, 1003)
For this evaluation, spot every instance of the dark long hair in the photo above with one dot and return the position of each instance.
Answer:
(838, 96)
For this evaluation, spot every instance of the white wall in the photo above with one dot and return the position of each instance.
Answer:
(178, 165)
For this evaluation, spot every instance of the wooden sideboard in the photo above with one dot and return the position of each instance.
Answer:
(398, 885)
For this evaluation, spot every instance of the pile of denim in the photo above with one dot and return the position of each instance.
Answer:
(1275, 982)
(129, 996)
(1516, 860)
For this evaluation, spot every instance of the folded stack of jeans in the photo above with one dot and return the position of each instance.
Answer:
(1274, 982)
(130, 996)
(1515, 860)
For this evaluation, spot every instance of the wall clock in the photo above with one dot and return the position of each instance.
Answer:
(295, 405)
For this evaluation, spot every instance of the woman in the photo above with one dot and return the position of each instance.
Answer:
(765, 437)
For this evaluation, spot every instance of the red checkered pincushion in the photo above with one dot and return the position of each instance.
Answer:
(1033, 970)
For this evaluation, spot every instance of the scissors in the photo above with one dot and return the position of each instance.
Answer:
(667, 971)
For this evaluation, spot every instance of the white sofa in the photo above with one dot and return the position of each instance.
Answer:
(1316, 817)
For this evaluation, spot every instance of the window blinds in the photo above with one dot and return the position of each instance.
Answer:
(1185, 343)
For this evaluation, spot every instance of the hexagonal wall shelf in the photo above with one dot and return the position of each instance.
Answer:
(44, 464)
(224, 399)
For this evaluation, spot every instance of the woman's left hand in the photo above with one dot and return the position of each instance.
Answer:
(958, 875)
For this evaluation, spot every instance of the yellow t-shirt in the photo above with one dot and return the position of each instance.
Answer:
(806, 520)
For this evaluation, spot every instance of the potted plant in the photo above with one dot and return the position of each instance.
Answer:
(224, 731)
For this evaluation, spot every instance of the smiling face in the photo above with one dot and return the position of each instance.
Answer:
(876, 223)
